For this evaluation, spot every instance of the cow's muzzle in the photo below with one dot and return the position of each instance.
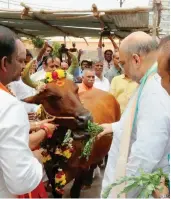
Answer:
(82, 120)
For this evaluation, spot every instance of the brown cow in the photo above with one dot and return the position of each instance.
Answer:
(64, 101)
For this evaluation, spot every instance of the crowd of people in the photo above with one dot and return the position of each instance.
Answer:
(136, 73)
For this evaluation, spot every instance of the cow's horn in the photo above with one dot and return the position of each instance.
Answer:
(26, 75)
(74, 64)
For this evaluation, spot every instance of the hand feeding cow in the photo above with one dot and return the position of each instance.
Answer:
(60, 99)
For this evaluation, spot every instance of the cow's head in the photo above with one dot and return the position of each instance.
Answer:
(60, 98)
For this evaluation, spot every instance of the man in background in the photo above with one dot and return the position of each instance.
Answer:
(101, 82)
(122, 89)
(87, 81)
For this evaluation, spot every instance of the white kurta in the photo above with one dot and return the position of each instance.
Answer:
(22, 91)
(150, 141)
(102, 84)
(39, 75)
(20, 171)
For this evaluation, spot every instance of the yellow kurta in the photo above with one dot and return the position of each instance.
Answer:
(122, 89)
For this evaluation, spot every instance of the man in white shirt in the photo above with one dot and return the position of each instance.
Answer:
(101, 82)
(109, 68)
(50, 64)
(150, 138)
(20, 171)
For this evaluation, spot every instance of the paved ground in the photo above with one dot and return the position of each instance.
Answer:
(93, 192)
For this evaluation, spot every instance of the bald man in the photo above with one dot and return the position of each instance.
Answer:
(88, 79)
(147, 128)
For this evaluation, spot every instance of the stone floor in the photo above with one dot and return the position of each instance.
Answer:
(93, 192)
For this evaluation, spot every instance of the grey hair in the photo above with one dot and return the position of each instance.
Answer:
(87, 70)
(97, 60)
(142, 47)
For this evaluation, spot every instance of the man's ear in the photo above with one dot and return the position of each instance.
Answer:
(3, 64)
(136, 59)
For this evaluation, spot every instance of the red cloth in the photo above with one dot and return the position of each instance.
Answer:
(39, 192)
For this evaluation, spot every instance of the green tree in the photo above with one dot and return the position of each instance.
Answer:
(56, 46)
(37, 42)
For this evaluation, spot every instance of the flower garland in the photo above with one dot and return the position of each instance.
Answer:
(46, 156)
(55, 75)
(66, 149)
(60, 181)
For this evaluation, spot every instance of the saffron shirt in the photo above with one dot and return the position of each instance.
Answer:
(20, 171)
(150, 140)
(83, 88)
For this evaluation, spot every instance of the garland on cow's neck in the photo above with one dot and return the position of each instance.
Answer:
(62, 152)
(56, 154)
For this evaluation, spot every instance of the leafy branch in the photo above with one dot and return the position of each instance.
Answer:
(146, 182)
(93, 129)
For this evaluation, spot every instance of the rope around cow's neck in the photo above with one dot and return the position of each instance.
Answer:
(49, 116)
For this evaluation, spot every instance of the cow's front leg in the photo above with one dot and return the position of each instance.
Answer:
(78, 183)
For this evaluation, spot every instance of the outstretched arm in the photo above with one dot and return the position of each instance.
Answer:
(113, 43)
(42, 51)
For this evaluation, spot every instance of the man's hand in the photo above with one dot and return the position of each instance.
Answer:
(45, 45)
(44, 122)
(80, 51)
(110, 37)
(32, 116)
(107, 130)
(164, 192)
(51, 127)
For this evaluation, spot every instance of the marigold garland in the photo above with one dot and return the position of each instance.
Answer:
(65, 149)
(55, 75)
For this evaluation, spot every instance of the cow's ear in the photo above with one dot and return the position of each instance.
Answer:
(32, 100)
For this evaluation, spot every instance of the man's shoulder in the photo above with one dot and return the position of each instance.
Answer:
(155, 93)
(118, 77)
(8, 100)
(9, 104)
(6, 97)
(153, 86)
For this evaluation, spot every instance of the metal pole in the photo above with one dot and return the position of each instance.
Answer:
(8, 4)
(156, 4)
(121, 3)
